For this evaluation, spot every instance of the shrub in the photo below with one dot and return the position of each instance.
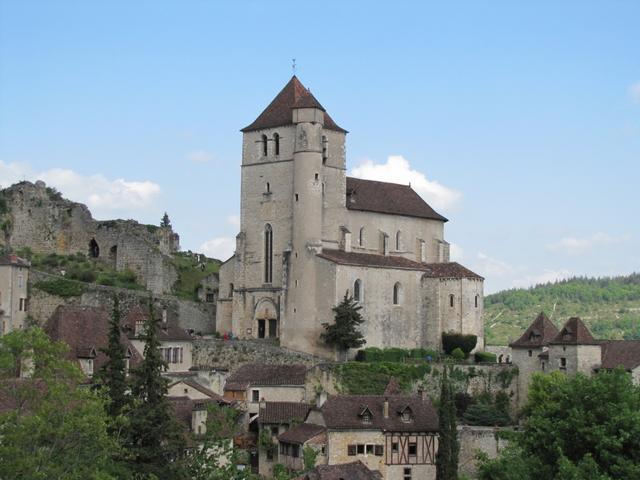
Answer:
(486, 414)
(458, 354)
(451, 341)
(128, 276)
(86, 276)
(485, 357)
(61, 287)
(394, 354)
(463, 401)
(106, 280)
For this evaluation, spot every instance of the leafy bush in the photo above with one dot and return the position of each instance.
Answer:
(359, 378)
(61, 287)
(486, 414)
(485, 357)
(452, 340)
(458, 354)
(463, 401)
(369, 354)
(106, 280)
(394, 354)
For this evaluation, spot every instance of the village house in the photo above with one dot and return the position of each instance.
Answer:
(396, 435)
(14, 301)
(309, 234)
(351, 471)
(193, 390)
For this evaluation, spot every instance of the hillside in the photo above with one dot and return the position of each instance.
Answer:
(609, 306)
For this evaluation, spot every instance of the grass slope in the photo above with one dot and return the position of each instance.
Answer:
(609, 306)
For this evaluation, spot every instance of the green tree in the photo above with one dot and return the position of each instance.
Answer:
(344, 333)
(309, 456)
(112, 375)
(448, 447)
(54, 428)
(575, 427)
(165, 222)
(157, 442)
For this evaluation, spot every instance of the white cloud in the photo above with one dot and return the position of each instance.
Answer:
(634, 91)
(398, 170)
(234, 220)
(456, 253)
(577, 245)
(220, 247)
(200, 156)
(548, 276)
(104, 197)
(492, 266)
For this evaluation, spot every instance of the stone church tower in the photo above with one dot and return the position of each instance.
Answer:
(294, 255)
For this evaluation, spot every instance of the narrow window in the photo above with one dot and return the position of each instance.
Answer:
(297, 197)
(407, 474)
(530, 353)
(397, 293)
(398, 241)
(264, 145)
(360, 449)
(563, 363)
(268, 254)
(394, 447)
(361, 237)
(316, 177)
(324, 150)
(452, 299)
(268, 187)
(477, 296)
(255, 395)
(276, 142)
(413, 449)
(357, 290)
(230, 290)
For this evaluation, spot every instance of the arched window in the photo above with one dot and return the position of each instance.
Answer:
(452, 299)
(276, 142)
(398, 240)
(94, 250)
(268, 187)
(268, 254)
(230, 290)
(357, 290)
(361, 237)
(397, 293)
(325, 154)
(264, 145)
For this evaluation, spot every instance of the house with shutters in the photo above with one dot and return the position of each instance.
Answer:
(14, 301)
(309, 234)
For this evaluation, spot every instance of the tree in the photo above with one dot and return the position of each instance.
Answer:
(448, 447)
(165, 222)
(113, 375)
(157, 442)
(53, 427)
(575, 427)
(344, 333)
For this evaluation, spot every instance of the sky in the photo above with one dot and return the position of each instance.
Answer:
(519, 121)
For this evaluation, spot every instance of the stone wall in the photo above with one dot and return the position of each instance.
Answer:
(474, 439)
(198, 317)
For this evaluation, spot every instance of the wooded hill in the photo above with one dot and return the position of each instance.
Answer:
(610, 306)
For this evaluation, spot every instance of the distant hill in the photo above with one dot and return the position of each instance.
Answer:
(610, 306)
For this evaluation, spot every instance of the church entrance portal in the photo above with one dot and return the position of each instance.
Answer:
(266, 318)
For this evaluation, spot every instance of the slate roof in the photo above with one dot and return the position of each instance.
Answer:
(167, 331)
(202, 389)
(621, 353)
(301, 433)
(279, 112)
(433, 270)
(540, 333)
(345, 471)
(283, 412)
(384, 197)
(343, 412)
(14, 260)
(251, 374)
(86, 331)
(574, 332)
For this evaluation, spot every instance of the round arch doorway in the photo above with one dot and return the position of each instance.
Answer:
(266, 319)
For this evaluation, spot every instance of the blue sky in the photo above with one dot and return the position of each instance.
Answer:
(519, 121)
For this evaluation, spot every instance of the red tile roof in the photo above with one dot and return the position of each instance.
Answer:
(345, 471)
(540, 333)
(574, 332)
(391, 198)
(301, 433)
(283, 412)
(251, 374)
(621, 353)
(12, 259)
(343, 412)
(279, 112)
(433, 270)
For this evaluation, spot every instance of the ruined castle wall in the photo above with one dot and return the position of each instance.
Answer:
(472, 439)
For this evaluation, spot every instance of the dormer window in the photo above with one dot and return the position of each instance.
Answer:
(365, 415)
(366, 418)
(406, 415)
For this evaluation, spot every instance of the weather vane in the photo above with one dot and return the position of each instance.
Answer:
(293, 65)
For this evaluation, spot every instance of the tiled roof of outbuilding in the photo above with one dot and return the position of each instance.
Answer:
(574, 332)
(283, 412)
(344, 412)
(540, 333)
(385, 197)
(344, 471)
(167, 331)
(434, 270)
(279, 112)
(301, 433)
(202, 389)
(621, 353)
(251, 374)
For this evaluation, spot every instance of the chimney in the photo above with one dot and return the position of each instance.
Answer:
(13, 258)
(321, 398)
(422, 393)
(385, 408)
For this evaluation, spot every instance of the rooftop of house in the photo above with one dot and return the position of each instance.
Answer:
(260, 374)
(345, 471)
(168, 331)
(302, 433)
(540, 333)
(201, 388)
(385, 197)
(366, 412)
(432, 270)
(620, 353)
(13, 260)
(279, 112)
(86, 331)
(574, 332)
(282, 412)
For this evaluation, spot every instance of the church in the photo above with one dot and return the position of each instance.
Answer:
(309, 234)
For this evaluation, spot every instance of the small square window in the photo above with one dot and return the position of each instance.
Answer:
(274, 431)
(530, 353)
(351, 450)
(413, 449)
(379, 450)
(360, 449)
(394, 447)
(255, 395)
(369, 449)
(406, 474)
